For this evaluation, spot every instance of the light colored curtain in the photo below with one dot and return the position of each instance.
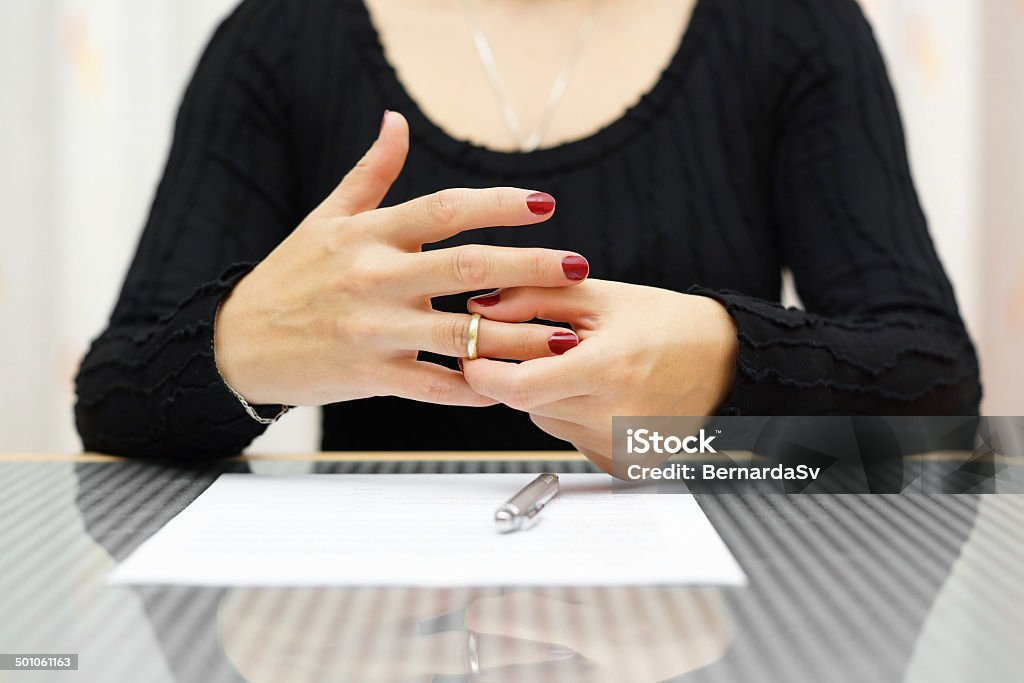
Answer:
(90, 89)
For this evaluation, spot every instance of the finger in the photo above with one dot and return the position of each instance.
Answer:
(581, 410)
(530, 383)
(440, 215)
(568, 668)
(431, 383)
(577, 305)
(447, 334)
(448, 652)
(364, 187)
(583, 438)
(529, 616)
(473, 267)
(607, 465)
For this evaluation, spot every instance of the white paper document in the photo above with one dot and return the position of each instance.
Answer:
(428, 530)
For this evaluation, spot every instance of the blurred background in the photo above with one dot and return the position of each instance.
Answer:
(89, 92)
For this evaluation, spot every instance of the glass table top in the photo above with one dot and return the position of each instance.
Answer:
(843, 587)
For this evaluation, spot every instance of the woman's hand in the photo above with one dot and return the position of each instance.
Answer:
(642, 351)
(407, 637)
(638, 635)
(339, 309)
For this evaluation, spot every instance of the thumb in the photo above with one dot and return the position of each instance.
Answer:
(364, 187)
(525, 615)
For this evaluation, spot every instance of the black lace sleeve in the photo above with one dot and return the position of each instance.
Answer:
(149, 385)
(881, 333)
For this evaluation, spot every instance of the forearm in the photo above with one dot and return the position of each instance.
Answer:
(898, 362)
(151, 388)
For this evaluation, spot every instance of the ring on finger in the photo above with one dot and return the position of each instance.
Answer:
(472, 652)
(473, 336)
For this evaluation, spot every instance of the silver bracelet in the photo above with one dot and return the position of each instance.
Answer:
(249, 409)
(245, 404)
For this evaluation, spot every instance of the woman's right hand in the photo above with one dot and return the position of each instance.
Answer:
(340, 308)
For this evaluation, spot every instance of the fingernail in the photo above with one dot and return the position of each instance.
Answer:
(383, 121)
(560, 342)
(487, 299)
(575, 267)
(461, 367)
(560, 651)
(540, 203)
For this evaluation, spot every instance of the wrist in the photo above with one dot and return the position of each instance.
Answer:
(722, 344)
(232, 348)
(726, 352)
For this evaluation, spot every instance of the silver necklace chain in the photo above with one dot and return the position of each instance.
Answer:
(528, 143)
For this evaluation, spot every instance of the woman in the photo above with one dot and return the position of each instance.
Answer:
(771, 139)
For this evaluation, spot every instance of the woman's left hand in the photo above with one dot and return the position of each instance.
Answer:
(642, 351)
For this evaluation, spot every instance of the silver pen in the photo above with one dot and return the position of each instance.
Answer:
(522, 508)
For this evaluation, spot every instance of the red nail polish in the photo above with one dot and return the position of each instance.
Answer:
(383, 121)
(575, 267)
(540, 203)
(461, 366)
(560, 342)
(487, 299)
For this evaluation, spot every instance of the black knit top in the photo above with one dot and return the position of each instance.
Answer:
(771, 141)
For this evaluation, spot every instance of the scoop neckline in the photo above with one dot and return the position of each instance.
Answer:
(636, 120)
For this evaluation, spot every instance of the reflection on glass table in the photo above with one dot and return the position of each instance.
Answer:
(842, 588)
(588, 635)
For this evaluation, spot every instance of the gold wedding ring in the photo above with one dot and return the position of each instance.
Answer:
(472, 649)
(474, 334)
